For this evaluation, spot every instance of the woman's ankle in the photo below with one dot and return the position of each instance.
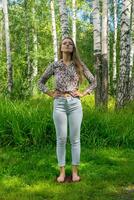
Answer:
(62, 170)
(74, 169)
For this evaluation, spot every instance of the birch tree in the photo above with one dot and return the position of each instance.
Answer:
(104, 91)
(54, 34)
(109, 21)
(74, 21)
(114, 45)
(8, 51)
(27, 44)
(34, 67)
(35, 44)
(132, 55)
(123, 86)
(63, 18)
(97, 49)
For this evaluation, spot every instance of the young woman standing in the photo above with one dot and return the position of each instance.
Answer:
(67, 108)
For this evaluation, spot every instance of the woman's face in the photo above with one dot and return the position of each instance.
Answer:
(67, 45)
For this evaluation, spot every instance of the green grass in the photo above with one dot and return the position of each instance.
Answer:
(28, 123)
(28, 163)
(29, 174)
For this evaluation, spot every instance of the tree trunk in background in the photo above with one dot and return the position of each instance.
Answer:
(114, 45)
(109, 30)
(8, 51)
(63, 18)
(97, 50)
(132, 55)
(74, 21)
(54, 34)
(29, 66)
(104, 91)
(35, 50)
(35, 43)
(123, 87)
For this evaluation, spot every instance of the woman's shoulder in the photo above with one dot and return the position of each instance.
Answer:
(60, 61)
(54, 64)
(57, 62)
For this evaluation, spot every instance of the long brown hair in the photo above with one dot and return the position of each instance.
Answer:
(75, 57)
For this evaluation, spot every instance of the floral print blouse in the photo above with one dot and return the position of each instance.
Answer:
(66, 77)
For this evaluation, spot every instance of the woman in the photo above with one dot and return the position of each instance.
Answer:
(67, 108)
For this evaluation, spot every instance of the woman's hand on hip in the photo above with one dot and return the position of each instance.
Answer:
(77, 93)
(52, 93)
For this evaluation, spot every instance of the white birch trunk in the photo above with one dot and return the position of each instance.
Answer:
(29, 66)
(132, 41)
(105, 53)
(131, 58)
(97, 50)
(131, 75)
(35, 50)
(35, 42)
(115, 42)
(63, 18)
(74, 21)
(123, 87)
(109, 15)
(8, 51)
(54, 34)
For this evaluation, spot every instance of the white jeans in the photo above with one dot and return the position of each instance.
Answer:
(67, 110)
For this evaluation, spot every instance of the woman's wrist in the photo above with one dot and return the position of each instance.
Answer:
(49, 93)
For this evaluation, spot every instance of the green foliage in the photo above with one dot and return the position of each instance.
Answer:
(24, 23)
(33, 18)
(30, 123)
(112, 89)
(108, 128)
(85, 36)
(21, 124)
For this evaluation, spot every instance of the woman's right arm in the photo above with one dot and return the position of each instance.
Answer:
(49, 71)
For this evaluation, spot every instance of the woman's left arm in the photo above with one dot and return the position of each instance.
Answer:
(91, 79)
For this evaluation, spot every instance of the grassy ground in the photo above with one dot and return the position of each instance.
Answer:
(106, 174)
(28, 170)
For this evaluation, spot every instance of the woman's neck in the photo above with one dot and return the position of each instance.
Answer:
(66, 57)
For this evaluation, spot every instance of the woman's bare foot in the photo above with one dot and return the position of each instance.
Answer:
(75, 176)
(61, 178)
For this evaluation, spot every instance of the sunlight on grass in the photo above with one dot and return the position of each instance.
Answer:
(28, 171)
(11, 182)
(88, 101)
(130, 188)
(111, 103)
(106, 173)
(37, 187)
